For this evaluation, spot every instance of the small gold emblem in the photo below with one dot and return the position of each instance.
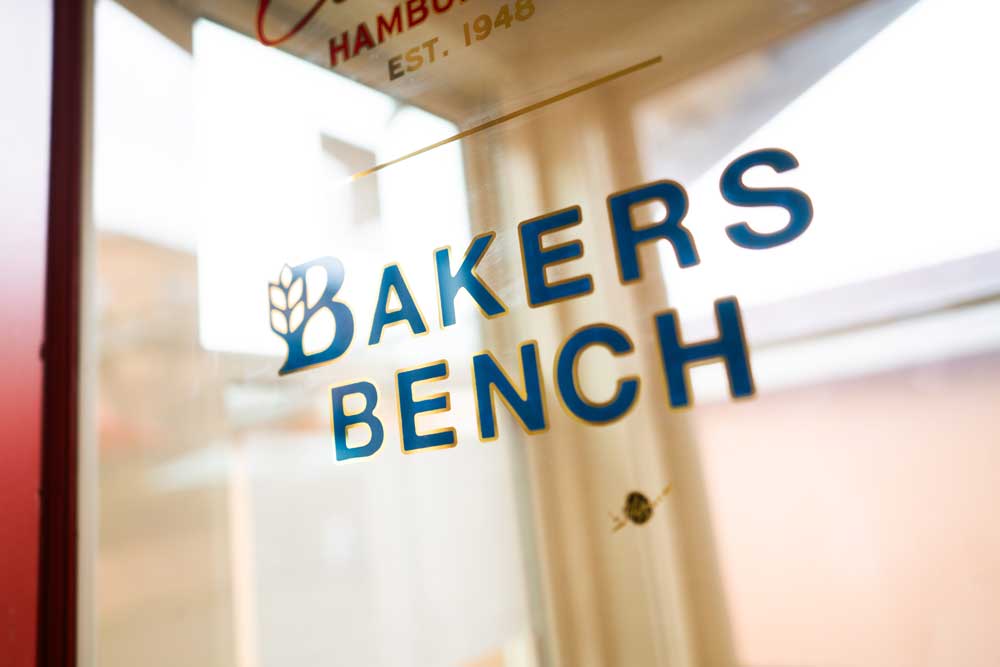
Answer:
(638, 509)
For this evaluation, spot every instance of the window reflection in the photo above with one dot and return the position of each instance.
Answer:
(228, 535)
(836, 519)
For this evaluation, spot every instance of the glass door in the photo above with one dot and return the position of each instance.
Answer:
(537, 332)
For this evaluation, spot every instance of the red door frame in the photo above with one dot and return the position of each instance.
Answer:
(57, 567)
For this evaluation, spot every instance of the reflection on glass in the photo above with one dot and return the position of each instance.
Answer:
(229, 536)
(841, 517)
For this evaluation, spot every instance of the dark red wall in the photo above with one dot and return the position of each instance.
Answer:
(25, 70)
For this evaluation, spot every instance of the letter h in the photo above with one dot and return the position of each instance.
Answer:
(730, 348)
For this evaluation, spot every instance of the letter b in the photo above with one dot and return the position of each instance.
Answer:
(290, 312)
(342, 421)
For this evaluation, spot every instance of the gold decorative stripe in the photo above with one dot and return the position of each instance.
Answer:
(514, 114)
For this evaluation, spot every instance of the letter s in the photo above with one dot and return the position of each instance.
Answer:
(796, 202)
(414, 60)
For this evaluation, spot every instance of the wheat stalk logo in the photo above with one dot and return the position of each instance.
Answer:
(288, 309)
(291, 308)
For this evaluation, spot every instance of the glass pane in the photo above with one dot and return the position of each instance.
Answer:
(534, 333)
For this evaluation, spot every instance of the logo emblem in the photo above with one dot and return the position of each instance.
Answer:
(638, 509)
(292, 307)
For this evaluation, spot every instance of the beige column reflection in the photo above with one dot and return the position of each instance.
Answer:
(646, 595)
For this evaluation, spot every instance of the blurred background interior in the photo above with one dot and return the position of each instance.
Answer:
(842, 517)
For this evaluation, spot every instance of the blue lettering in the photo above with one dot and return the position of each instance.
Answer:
(730, 347)
(409, 408)
(392, 279)
(627, 238)
(567, 380)
(796, 202)
(295, 316)
(537, 259)
(342, 421)
(528, 409)
(450, 284)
